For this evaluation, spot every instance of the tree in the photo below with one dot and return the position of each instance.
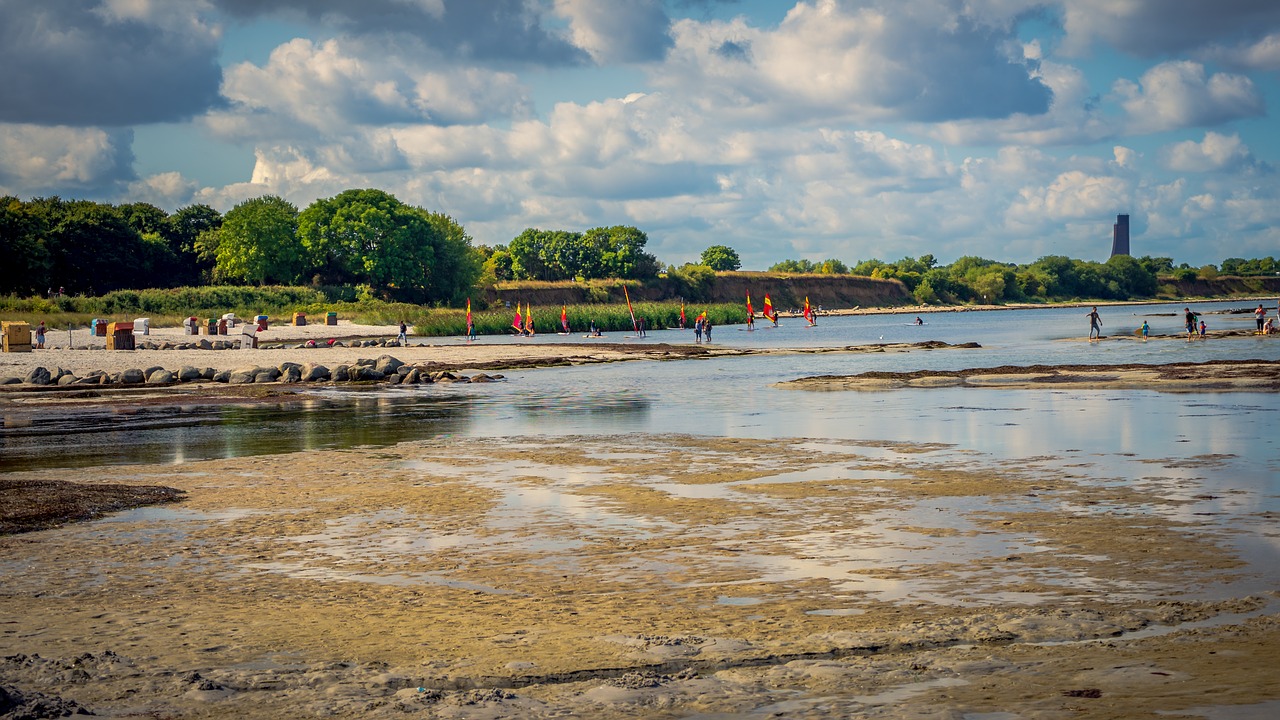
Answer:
(258, 242)
(26, 260)
(369, 237)
(721, 258)
(624, 255)
(182, 231)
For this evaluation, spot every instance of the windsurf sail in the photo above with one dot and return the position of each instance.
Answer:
(808, 312)
(751, 313)
(634, 326)
(768, 311)
(518, 322)
(682, 314)
(528, 319)
(564, 317)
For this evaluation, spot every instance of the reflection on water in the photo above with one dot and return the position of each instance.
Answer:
(87, 437)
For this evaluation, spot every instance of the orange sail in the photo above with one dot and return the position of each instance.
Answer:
(808, 312)
(682, 314)
(768, 311)
(528, 319)
(564, 318)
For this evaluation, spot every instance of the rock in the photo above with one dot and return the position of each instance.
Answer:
(292, 373)
(188, 373)
(205, 344)
(160, 377)
(242, 376)
(223, 376)
(148, 371)
(15, 703)
(284, 367)
(314, 373)
(341, 373)
(367, 374)
(67, 379)
(10, 380)
(481, 378)
(208, 373)
(38, 376)
(413, 377)
(132, 376)
(266, 376)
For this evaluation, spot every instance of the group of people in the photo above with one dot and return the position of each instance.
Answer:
(1194, 324)
(701, 329)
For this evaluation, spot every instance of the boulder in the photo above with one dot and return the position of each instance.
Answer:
(38, 376)
(284, 367)
(341, 373)
(243, 376)
(292, 373)
(151, 369)
(205, 344)
(314, 373)
(367, 374)
(481, 378)
(188, 373)
(132, 376)
(222, 376)
(67, 379)
(413, 377)
(10, 380)
(208, 373)
(160, 377)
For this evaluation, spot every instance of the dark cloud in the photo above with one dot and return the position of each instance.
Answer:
(66, 63)
(734, 50)
(488, 30)
(1153, 28)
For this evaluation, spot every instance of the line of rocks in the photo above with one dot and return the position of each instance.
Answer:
(207, 344)
(384, 369)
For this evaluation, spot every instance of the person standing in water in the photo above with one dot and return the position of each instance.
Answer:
(1146, 330)
(1190, 319)
(1260, 316)
(706, 329)
(1095, 324)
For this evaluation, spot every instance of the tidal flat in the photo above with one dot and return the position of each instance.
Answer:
(651, 575)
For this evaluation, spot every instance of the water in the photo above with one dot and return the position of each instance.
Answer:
(734, 397)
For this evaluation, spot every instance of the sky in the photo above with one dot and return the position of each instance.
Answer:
(1006, 129)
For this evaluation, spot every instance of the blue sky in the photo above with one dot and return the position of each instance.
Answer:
(1008, 129)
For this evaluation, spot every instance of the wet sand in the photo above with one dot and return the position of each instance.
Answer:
(1212, 376)
(641, 576)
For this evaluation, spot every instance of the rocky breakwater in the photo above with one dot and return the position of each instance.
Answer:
(384, 369)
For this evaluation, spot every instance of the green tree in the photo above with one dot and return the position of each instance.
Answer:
(720, 258)
(258, 242)
(182, 231)
(25, 269)
(624, 255)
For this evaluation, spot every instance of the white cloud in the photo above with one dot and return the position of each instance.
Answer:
(335, 85)
(37, 159)
(1264, 54)
(825, 62)
(1179, 94)
(1215, 152)
(164, 190)
(618, 30)
(1073, 195)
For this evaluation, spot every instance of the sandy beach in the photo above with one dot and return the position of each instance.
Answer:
(648, 575)
(434, 578)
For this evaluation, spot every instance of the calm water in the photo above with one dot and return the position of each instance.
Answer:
(733, 397)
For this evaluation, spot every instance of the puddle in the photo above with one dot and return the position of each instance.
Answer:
(304, 572)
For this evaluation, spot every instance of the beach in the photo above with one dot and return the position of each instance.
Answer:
(371, 583)
(646, 574)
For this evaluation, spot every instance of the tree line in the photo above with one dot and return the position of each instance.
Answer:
(368, 240)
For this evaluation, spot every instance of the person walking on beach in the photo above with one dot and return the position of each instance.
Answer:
(1095, 324)
(1190, 319)
(1260, 316)
(403, 337)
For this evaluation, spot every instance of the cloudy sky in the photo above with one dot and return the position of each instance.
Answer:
(1009, 129)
